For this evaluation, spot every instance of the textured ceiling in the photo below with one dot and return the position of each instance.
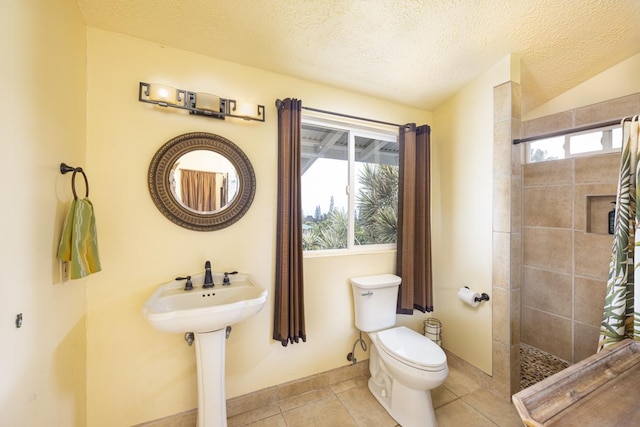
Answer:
(414, 52)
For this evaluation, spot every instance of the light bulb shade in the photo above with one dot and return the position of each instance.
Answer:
(163, 93)
(207, 102)
(246, 110)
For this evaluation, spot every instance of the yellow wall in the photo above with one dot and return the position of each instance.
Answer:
(136, 373)
(43, 49)
(619, 80)
(462, 213)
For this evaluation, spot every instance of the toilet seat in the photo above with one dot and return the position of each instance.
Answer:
(411, 348)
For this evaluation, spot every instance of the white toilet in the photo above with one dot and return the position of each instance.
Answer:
(404, 364)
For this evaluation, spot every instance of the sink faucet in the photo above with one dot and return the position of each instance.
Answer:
(208, 279)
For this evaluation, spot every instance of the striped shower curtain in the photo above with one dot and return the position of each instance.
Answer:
(621, 318)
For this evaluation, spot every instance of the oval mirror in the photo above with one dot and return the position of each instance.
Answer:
(201, 181)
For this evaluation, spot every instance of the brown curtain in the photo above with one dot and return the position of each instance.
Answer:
(289, 296)
(414, 221)
(198, 189)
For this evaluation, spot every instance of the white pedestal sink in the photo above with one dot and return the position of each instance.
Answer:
(206, 313)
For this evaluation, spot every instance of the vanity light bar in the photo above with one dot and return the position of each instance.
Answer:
(199, 103)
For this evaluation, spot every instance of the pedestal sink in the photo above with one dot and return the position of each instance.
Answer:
(207, 313)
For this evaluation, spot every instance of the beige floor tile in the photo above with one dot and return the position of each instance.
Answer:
(460, 384)
(275, 421)
(249, 417)
(502, 413)
(365, 409)
(349, 384)
(327, 412)
(458, 414)
(441, 396)
(304, 399)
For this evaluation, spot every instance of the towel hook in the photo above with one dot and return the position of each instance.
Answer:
(64, 169)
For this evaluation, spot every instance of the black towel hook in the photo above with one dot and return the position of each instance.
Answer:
(64, 169)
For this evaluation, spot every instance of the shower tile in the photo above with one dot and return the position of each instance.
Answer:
(502, 102)
(589, 300)
(501, 322)
(548, 206)
(548, 248)
(580, 201)
(592, 254)
(516, 101)
(501, 260)
(547, 124)
(604, 111)
(516, 204)
(516, 261)
(502, 204)
(600, 169)
(501, 369)
(517, 151)
(502, 141)
(547, 291)
(515, 369)
(585, 342)
(554, 172)
(516, 315)
(547, 332)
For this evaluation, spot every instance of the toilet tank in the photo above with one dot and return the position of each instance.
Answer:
(375, 299)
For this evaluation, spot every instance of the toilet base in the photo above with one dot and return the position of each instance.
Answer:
(409, 407)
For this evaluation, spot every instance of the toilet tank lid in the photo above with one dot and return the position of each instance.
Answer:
(378, 281)
(407, 344)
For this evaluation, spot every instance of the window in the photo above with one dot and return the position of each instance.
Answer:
(592, 142)
(349, 185)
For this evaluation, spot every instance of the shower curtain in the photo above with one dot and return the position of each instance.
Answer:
(621, 318)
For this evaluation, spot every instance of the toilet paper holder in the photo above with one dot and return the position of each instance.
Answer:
(483, 297)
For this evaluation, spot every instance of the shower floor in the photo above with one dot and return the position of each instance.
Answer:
(536, 365)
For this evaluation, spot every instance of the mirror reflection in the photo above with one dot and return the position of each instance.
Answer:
(203, 181)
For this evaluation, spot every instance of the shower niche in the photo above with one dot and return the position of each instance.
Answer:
(600, 214)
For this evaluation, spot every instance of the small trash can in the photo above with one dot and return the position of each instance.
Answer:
(433, 330)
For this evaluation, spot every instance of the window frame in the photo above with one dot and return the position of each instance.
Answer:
(607, 143)
(354, 128)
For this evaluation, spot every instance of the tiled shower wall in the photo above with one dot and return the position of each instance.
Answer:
(566, 252)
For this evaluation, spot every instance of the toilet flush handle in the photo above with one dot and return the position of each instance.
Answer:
(368, 294)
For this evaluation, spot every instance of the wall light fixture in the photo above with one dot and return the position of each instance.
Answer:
(199, 103)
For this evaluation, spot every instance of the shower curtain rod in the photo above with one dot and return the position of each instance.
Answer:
(348, 116)
(573, 130)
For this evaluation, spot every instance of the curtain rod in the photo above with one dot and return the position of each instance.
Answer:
(572, 130)
(348, 116)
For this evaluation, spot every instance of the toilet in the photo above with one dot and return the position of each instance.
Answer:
(404, 364)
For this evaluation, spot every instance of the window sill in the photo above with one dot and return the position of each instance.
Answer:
(347, 252)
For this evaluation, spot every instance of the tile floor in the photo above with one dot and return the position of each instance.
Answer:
(460, 401)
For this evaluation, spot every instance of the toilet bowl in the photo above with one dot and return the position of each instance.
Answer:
(404, 365)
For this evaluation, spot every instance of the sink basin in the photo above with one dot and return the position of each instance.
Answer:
(172, 309)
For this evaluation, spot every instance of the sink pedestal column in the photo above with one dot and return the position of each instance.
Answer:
(210, 362)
